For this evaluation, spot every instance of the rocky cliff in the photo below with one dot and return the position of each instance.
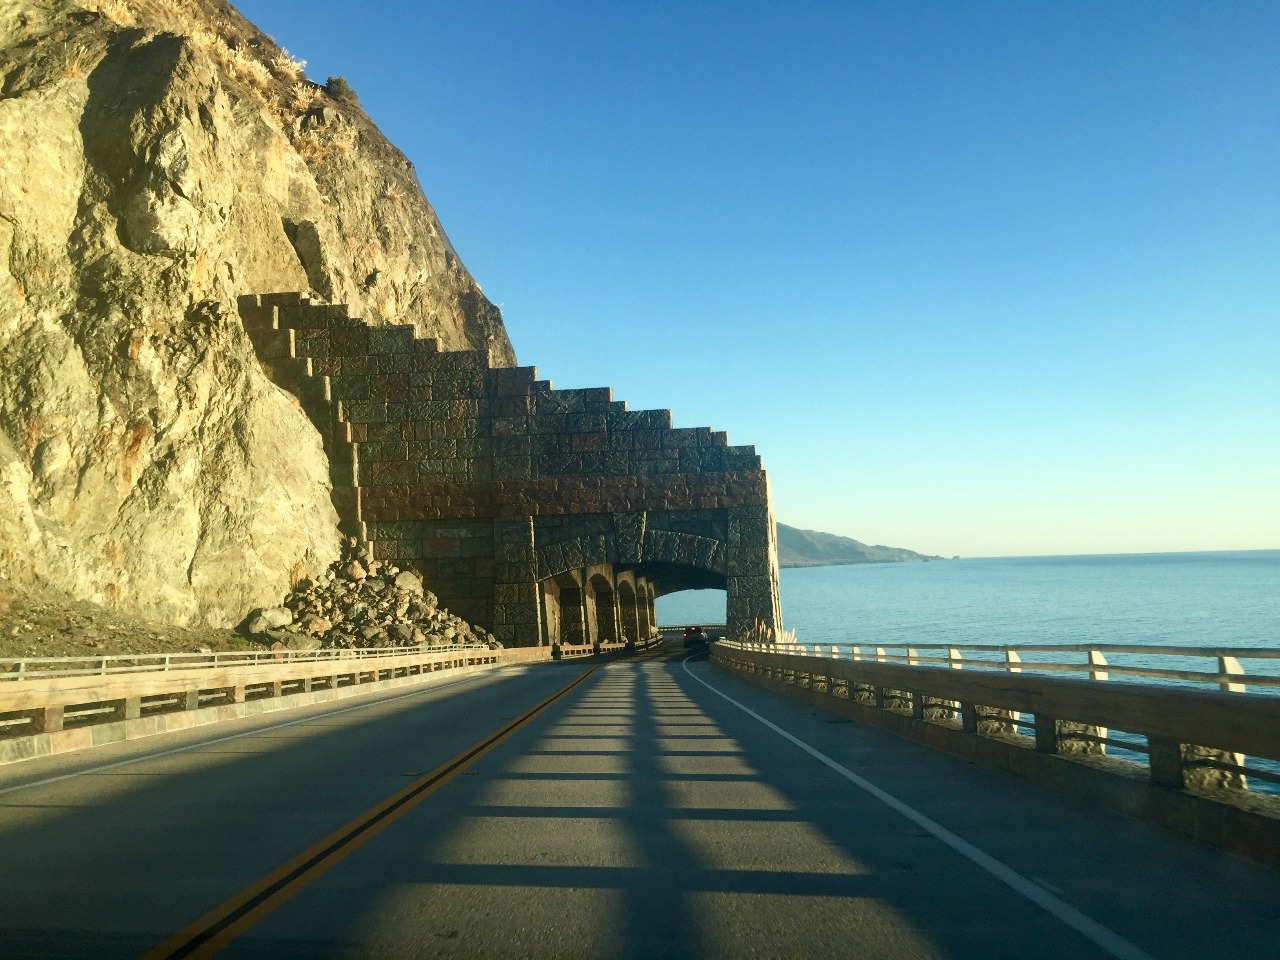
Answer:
(157, 159)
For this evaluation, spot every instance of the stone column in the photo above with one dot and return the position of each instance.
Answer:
(517, 618)
(751, 580)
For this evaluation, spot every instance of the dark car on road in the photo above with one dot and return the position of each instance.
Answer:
(694, 637)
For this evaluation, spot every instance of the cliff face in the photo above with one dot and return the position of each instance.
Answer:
(157, 159)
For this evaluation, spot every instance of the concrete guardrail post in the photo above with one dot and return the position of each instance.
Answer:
(1230, 667)
(1096, 661)
(1166, 763)
(1046, 733)
(47, 719)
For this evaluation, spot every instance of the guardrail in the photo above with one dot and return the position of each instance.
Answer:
(1095, 661)
(62, 697)
(27, 668)
(566, 651)
(1190, 735)
(56, 704)
(1202, 735)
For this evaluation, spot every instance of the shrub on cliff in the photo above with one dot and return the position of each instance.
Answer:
(339, 89)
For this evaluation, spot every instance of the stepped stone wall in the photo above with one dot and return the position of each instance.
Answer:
(543, 515)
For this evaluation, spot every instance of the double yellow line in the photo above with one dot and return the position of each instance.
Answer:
(217, 928)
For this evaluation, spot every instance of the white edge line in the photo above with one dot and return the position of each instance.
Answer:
(236, 736)
(1090, 929)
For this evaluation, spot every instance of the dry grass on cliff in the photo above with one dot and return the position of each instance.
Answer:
(117, 11)
(303, 95)
(77, 61)
(260, 68)
(269, 73)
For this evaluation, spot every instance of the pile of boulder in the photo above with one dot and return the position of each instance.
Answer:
(362, 602)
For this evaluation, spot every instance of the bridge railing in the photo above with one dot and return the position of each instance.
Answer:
(56, 704)
(28, 668)
(59, 702)
(1230, 669)
(1195, 727)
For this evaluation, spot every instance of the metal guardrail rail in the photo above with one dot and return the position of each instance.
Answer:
(1098, 661)
(30, 668)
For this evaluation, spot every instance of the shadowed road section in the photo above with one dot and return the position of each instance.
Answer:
(640, 815)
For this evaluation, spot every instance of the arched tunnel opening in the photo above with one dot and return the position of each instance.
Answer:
(608, 603)
(691, 607)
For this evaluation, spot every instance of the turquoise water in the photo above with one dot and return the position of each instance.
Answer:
(1179, 599)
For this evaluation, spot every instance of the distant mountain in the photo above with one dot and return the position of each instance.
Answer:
(809, 548)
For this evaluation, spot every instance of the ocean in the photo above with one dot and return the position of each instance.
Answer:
(1166, 599)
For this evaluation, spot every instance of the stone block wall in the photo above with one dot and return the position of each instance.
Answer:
(490, 482)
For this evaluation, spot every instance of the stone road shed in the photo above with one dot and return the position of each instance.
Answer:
(542, 515)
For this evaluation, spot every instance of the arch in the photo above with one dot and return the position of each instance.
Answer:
(659, 548)
(644, 611)
(603, 600)
(628, 617)
(572, 630)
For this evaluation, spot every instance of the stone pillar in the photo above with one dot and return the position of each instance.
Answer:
(46, 719)
(573, 625)
(517, 619)
(751, 581)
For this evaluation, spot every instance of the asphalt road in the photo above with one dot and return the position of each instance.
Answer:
(641, 814)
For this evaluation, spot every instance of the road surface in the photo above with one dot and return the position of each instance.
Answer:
(641, 808)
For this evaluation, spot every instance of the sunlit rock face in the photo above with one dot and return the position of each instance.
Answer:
(158, 159)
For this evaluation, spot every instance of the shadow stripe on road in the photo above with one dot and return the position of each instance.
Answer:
(217, 928)
(1087, 927)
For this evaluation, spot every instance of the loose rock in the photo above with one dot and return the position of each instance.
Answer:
(271, 618)
(361, 602)
(410, 583)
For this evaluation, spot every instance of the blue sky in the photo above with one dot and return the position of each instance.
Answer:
(977, 279)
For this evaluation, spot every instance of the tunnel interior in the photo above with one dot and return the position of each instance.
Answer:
(608, 603)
